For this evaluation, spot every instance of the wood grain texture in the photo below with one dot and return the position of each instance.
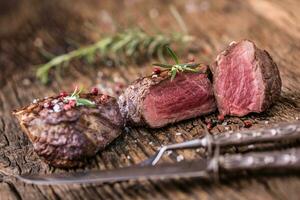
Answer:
(273, 25)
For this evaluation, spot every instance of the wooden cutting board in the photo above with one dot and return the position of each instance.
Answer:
(58, 27)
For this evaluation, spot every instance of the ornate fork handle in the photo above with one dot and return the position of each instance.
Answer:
(275, 160)
(285, 131)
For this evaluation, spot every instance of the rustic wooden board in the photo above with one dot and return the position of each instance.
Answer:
(273, 25)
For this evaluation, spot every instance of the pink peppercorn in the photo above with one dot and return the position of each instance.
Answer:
(209, 126)
(103, 98)
(247, 123)
(95, 91)
(156, 70)
(67, 107)
(72, 103)
(63, 94)
(221, 118)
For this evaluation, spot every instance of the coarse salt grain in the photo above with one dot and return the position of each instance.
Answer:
(56, 108)
(35, 101)
(297, 118)
(128, 157)
(226, 128)
(198, 150)
(266, 122)
(169, 152)
(179, 158)
(154, 76)
(231, 43)
(150, 143)
(178, 134)
(47, 105)
(224, 123)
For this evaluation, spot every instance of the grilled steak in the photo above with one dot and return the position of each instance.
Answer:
(65, 137)
(157, 101)
(245, 79)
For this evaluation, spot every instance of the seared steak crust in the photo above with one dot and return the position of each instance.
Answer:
(67, 137)
(156, 102)
(254, 88)
(130, 102)
(271, 77)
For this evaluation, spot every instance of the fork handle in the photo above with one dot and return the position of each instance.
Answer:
(272, 160)
(284, 131)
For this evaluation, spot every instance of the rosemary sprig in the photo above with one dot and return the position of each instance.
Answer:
(133, 43)
(79, 101)
(177, 67)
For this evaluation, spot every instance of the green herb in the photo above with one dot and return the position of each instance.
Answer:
(75, 96)
(133, 44)
(177, 67)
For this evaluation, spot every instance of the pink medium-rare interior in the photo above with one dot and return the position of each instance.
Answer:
(238, 85)
(188, 95)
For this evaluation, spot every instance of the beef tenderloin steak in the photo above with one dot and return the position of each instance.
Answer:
(158, 101)
(245, 79)
(66, 137)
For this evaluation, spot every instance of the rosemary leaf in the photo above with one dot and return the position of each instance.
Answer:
(173, 74)
(84, 102)
(178, 67)
(162, 65)
(172, 54)
(74, 92)
(191, 65)
(191, 70)
(132, 43)
(75, 96)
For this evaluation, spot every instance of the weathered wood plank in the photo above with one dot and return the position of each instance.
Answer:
(214, 23)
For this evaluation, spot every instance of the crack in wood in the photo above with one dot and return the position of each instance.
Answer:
(14, 190)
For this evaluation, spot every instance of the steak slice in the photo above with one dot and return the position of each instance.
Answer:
(156, 102)
(64, 138)
(245, 79)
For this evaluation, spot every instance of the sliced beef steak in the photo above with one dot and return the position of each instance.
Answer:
(64, 138)
(245, 79)
(156, 102)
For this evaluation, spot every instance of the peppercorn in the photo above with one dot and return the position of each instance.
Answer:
(103, 98)
(209, 126)
(63, 94)
(94, 91)
(72, 103)
(67, 107)
(156, 70)
(221, 118)
(247, 123)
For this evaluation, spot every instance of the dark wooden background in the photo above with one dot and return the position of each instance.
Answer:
(28, 28)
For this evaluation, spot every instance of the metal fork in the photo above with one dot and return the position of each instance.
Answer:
(183, 145)
(284, 131)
